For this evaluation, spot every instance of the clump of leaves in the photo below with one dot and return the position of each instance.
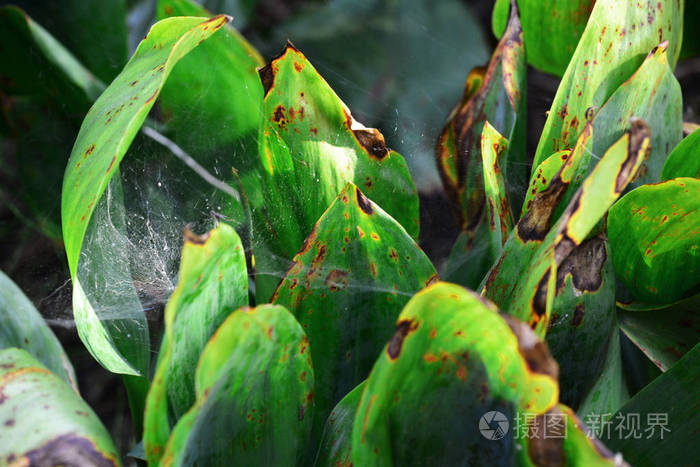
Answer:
(307, 325)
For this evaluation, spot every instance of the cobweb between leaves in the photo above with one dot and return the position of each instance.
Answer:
(405, 86)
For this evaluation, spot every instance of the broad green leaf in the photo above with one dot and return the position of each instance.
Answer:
(653, 231)
(618, 35)
(684, 160)
(310, 147)
(44, 421)
(213, 281)
(346, 286)
(23, 327)
(520, 282)
(35, 62)
(653, 94)
(401, 68)
(496, 95)
(609, 392)
(452, 359)
(254, 384)
(664, 334)
(104, 137)
(336, 444)
(583, 317)
(667, 410)
(95, 32)
(551, 29)
(218, 110)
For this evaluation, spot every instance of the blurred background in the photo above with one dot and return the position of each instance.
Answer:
(399, 65)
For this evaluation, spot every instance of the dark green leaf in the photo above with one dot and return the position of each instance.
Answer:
(336, 443)
(346, 286)
(212, 282)
(669, 419)
(254, 385)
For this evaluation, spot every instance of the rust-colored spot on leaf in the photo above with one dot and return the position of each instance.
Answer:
(111, 164)
(403, 328)
(69, 449)
(364, 203)
(578, 315)
(337, 279)
(373, 142)
(538, 220)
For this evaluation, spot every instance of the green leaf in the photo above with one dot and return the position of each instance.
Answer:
(654, 237)
(551, 29)
(336, 444)
(213, 281)
(520, 282)
(401, 68)
(653, 94)
(665, 334)
(346, 286)
(96, 32)
(24, 327)
(498, 214)
(219, 110)
(496, 95)
(44, 421)
(579, 447)
(34, 62)
(619, 34)
(684, 160)
(609, 392)
(310, 147)
(104, 137)
(254, 385)
(582, 318)
(671, 399)
(452, 359)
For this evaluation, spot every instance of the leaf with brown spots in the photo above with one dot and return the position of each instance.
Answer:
(459, 359)
(583, 318)
(212, 282)
(310, 146)
(44, 421)
(254, 394)
(522, 289)
(23, 327)
(346, 286)
(618, 36)
(110, 126)
(654, 233)
(552, 29)
(653, 94)
(496, 95)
